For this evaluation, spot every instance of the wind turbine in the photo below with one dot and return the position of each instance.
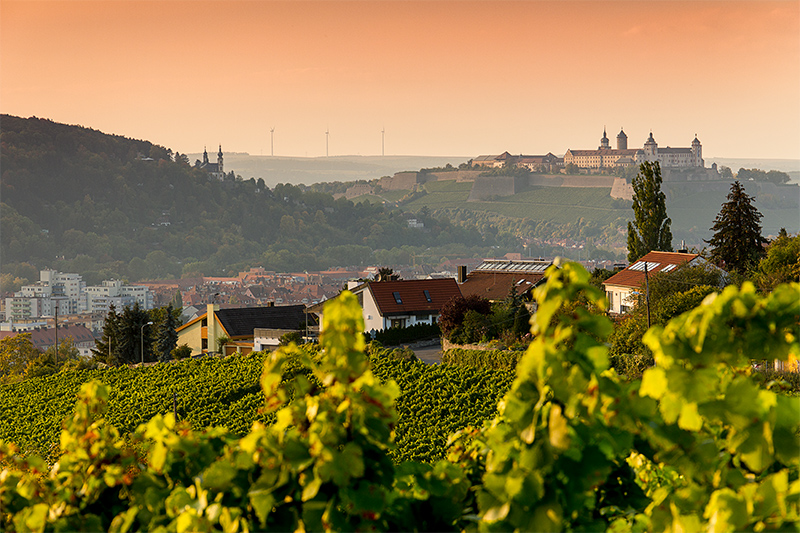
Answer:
(383, 141)
(272, 141)
(326, 141)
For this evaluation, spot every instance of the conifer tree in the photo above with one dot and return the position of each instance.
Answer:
(737, 242)
(166, 336)
(106, 350)
(132, 331)
(650, 229)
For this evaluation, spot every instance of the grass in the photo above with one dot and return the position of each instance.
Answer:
(558, 205)
(692, 212)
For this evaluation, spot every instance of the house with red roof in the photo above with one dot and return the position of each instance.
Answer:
(401, 303)
(45, 338)
(493, 279)
(623, 287)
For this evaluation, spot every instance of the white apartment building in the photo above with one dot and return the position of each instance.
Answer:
(113, 292)
(67, 293)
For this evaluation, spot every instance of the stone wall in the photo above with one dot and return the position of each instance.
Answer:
(458, 175)
(400, 181)
(622, 189)
(488, 187)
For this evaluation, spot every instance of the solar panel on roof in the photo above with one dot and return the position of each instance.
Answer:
(639, 266)
(668, 268)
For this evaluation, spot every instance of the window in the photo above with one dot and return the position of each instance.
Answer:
(427, 295)
(397, 298)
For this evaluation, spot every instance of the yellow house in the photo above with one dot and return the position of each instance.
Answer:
(238, 327)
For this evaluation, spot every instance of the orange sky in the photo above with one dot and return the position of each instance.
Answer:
(442, 77)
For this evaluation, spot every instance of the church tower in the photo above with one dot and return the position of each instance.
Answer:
(622, 140)
(219, 160)
(604, 140)
(205, 156)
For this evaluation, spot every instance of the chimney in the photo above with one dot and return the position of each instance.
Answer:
(211, 326)
(462, 273)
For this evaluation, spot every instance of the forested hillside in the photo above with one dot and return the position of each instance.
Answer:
(79, 200)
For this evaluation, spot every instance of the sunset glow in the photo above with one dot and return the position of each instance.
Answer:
(442, 78)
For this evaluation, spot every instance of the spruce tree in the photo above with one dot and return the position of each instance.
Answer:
(737, 242)
(166, 336)
(132, 331)
(650, 229)
(106, 350)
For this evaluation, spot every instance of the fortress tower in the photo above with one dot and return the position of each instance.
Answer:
(604, 141)
(651, 149)
(622, 140)
(697, 152)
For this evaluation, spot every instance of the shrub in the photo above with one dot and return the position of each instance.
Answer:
(181, 352)
(394, 336)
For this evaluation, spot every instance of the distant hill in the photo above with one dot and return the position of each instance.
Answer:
(309, 170)
(106, 206)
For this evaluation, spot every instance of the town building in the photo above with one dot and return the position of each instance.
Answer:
(240, 327)
(623, 288)
(99, 299)
(400, 303)
(59, 293)
(493, 279)
(44, 338)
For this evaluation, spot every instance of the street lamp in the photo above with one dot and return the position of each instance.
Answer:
(141, 338)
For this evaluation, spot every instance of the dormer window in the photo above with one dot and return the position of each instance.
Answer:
(427, 295)
(397, 298)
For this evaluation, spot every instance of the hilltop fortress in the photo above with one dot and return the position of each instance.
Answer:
(622, 156)
(603, 158)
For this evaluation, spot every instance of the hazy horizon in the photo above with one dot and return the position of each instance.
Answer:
(437, 77)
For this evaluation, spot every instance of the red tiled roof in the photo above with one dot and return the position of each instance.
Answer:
(496, 286)
(412, 296)
(633, 275)
(44, 338)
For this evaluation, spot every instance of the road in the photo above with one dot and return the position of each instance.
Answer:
(430, 354)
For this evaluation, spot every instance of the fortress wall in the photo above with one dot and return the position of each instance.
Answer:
(458, 175)
(400, 181)
(560, 180)
(622, 189)
(489, 186)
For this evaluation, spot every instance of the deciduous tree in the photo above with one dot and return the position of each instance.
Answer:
(781, 264)
(650, 229)
(15, 354)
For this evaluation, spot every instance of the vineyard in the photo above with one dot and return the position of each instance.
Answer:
(490, 359)
(206, 392)
(435, 401)
(695, 445)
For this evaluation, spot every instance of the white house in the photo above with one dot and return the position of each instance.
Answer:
(401, 303)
